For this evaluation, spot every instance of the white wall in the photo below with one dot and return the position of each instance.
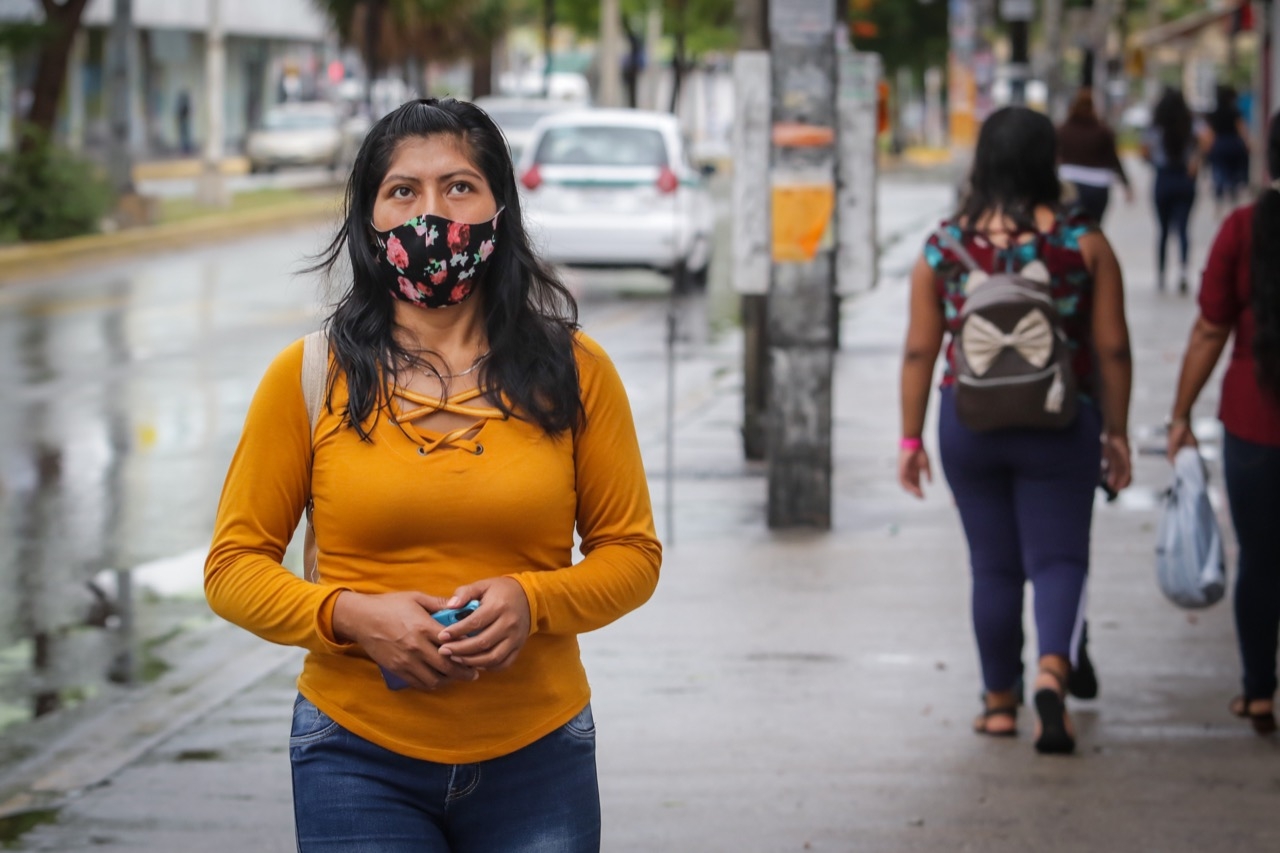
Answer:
(286, 19)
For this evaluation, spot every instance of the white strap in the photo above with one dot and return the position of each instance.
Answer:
(315, 370)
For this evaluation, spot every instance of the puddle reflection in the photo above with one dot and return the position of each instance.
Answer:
(123, 396)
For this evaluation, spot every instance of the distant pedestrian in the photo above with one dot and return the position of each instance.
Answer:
(182, 113)
(1025, 495)
(469, 431)
(1228, 150)
(1170, 146)
(1240, 297)
(1089, 158)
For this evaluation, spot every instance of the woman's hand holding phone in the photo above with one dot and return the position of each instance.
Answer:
(490, 638)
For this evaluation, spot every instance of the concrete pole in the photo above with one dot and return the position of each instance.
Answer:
(610, 54)
(651, 92)
(213, 191)
(120, 93)
(800, 304)
(1051, 62)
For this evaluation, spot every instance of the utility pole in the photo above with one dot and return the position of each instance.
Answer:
(1017, 14)
(119, 52)
(610, 55)
(800, 302)
(213, 191)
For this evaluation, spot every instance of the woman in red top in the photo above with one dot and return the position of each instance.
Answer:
(1240, 293)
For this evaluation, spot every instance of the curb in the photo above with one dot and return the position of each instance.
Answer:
(213, 665)
(33, 260)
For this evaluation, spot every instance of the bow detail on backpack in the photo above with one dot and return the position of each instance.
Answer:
(1031, 338)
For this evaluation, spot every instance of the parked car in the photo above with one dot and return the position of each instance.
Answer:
(615, 188)
(297, 134)
(517, 116)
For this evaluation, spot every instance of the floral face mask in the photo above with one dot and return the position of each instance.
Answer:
(435, 262)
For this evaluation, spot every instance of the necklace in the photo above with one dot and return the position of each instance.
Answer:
(472, 369)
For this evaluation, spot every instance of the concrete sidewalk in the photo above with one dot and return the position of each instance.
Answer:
(804, 691)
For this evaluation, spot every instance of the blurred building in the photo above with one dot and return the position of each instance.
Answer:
(276, 50)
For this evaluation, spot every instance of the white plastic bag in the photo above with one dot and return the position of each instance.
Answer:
(1189, 555)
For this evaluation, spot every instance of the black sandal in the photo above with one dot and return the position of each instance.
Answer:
(1264, 722)
(1054, 738)
(1010, 711)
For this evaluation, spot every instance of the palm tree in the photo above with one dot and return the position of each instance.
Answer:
(396, 31)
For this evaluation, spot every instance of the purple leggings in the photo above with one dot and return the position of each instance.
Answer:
(1026, 502)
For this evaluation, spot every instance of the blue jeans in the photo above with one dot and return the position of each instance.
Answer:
(353, 796)
(1253, 490)
(1026, 503)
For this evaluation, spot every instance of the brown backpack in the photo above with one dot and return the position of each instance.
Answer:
(1012, 361)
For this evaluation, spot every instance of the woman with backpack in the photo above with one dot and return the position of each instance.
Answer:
(1022, 468)
(1240, 295)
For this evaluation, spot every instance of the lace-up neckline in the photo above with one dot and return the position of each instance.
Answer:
(417, 406)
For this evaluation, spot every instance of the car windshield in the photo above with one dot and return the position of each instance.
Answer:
(515, 118)
(289, 120)
(602, 146)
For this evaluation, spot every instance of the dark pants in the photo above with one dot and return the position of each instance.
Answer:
(1253, 489)
(1093, 200)
(1026, 502)
(1229, 162)
(1175, 193)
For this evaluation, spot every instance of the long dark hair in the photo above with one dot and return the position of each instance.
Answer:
(1015, 168)
(529, 315)
(1226, 114)
(1173, 118)
(1264, 282)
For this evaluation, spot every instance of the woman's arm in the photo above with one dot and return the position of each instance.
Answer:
(1111, 345)
(925, 328)
(1219, 307)
(1203, 351)
(266, 488)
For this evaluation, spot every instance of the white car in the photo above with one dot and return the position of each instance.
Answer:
(615, 188)
(297, 134)
(517, 116)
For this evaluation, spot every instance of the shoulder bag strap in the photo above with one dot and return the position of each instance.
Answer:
(315, 369)
(957, 248)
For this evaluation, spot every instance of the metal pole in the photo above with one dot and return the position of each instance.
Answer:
(213, 190)
(670, 490)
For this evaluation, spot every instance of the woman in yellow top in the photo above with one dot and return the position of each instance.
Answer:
(468, 427)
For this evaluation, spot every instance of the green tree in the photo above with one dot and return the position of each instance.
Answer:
(393, 31)
(696, 27)
(906, 33)
(51, 38)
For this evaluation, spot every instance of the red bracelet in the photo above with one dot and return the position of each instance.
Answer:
(910, 444)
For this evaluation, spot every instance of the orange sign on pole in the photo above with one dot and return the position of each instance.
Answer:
(801, 217)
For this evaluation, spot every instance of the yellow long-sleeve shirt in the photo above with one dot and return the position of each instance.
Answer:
(390, 517)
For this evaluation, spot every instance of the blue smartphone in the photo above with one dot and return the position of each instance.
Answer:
(444, 617)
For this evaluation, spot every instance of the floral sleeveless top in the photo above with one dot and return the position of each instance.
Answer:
(1069, 282)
